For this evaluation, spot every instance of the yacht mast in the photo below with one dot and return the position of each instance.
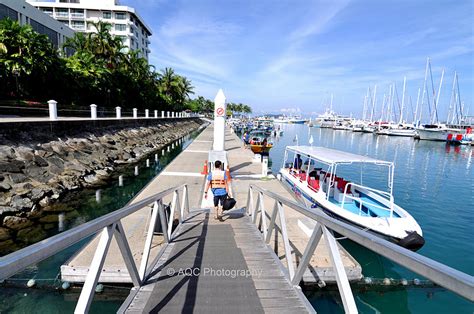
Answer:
(416, 109)
(373, 104)
(400, 121)
(437, 97)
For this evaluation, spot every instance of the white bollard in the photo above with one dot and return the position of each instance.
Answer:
(93, 111)
(172, 114)
(168, 114)
(135, 113)
(156, 157)
(148, 163)
(61, 220)
(136, 170)
(98, 197)
(265, 166)
(156, 114)
(147, 113)
(162, 152)
(120, 180)
(168, 149)
(53, 109)
(118, 112)
(162, 114)
(172, 145)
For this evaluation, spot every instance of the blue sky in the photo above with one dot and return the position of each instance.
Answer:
(278, 54)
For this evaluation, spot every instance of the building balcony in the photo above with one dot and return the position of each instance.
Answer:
(62, 15)
(76, 16)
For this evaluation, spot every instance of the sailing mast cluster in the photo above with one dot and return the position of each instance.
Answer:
(399, 115)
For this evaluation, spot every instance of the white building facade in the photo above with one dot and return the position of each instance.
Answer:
(78, 14)
(22, 12)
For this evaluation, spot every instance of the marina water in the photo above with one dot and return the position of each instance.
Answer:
(435, 183)
(48, 297)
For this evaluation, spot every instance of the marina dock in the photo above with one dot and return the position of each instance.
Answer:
(186, 169)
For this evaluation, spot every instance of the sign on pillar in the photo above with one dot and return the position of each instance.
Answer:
(219, 120)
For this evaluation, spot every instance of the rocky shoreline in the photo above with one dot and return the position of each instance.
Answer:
(35, 176)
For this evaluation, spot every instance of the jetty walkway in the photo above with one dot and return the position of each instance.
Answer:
(209, 263)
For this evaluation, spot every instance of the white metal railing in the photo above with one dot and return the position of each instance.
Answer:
(108, 226)
(381, 193)
(447, 277)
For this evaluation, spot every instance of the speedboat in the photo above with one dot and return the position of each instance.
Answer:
(317, 184)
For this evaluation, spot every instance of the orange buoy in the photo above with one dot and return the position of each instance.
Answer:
(204, 170)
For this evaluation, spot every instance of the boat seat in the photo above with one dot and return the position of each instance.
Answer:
(302, 176)
(313, 184)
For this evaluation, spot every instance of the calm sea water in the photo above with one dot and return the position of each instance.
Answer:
(82, 207)
(435, 183)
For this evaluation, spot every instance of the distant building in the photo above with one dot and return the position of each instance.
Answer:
(24, 13)
(77, 14)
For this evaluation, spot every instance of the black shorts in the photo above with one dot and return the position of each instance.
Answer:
(220, 198)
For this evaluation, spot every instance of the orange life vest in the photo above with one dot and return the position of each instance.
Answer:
(217, 179)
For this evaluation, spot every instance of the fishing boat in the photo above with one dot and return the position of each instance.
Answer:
(316, 183)
(259, 143)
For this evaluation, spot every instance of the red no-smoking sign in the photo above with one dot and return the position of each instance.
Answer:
(220, 112)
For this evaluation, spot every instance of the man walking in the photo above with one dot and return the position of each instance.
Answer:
(217, 181)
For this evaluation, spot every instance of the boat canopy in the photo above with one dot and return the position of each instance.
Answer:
(333, 156)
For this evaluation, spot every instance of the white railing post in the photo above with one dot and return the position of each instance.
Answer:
(172, 114)
(308, 253)
(168, 114)
(147, 113)
(148, 241)
(156, 114)
(118, 112)
(341, 276)
(286, 241)
(95, 269)
(135, 113)
(93, 111)
(162, 114)
(53, 109)
(127, 255)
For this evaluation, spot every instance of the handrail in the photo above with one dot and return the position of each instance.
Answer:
(362, 202)
(110, 224)
(373, 190)
(445, 276)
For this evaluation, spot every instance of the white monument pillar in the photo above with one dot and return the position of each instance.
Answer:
(93, 111)
(219, 120)
(53, 109)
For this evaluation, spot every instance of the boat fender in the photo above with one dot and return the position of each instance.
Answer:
(413, 241)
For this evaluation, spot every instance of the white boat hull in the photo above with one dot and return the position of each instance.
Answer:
(395, 227)
(432, 134)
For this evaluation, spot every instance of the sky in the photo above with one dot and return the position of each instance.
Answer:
(281, 55)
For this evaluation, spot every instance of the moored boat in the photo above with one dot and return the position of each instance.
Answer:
(259, 143)
(317, 185)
